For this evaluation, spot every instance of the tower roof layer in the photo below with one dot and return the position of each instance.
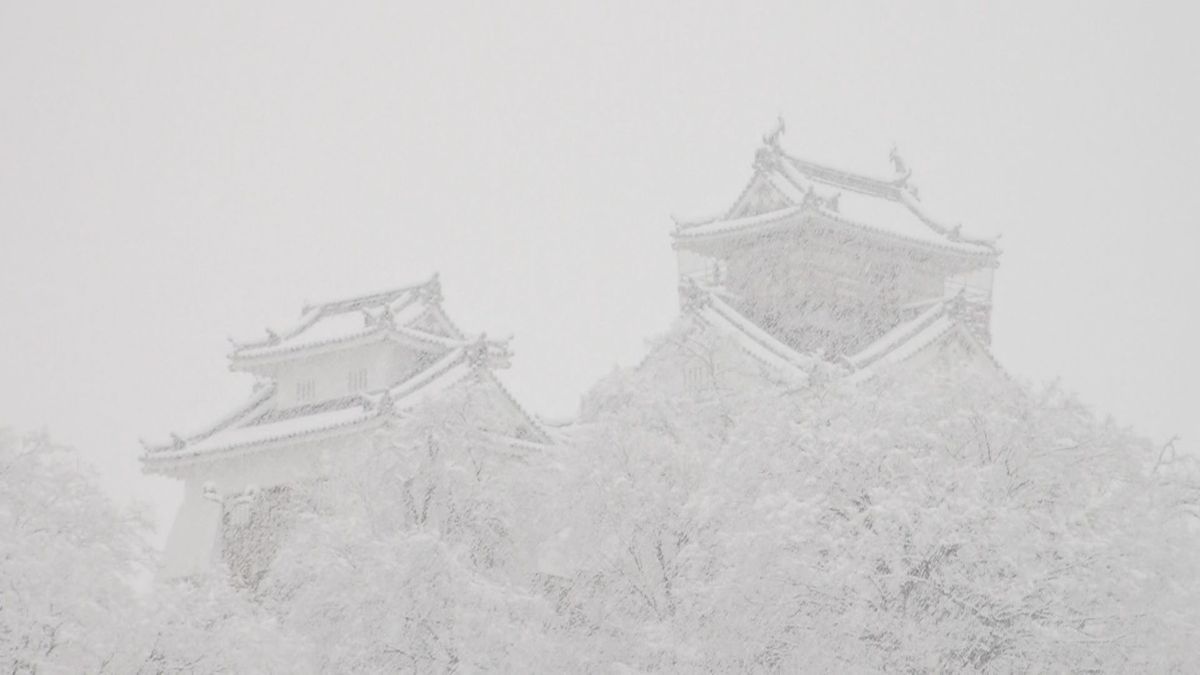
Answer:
(786, 191)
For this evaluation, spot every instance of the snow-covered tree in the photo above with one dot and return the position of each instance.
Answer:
(68, 562)
(205, 625)
(67, 555)
(928, 522)
(415, 557)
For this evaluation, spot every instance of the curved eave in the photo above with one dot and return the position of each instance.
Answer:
(757, 343)
(353, 303)
(778, 220)
(169, 463)
(410, 337)
(913, 204)
(955, 328)
(254, 405)
(844, 179)
(534, 425)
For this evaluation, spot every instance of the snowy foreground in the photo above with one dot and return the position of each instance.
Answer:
(929, 523)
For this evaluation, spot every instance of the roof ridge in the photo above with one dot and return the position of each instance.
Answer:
(260, 395)
(772, 157)
(348, 303)
(897, 336)
(851, 180)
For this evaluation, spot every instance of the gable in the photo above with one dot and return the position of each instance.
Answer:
(759, 197)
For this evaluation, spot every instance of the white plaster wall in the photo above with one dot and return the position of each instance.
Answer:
(385, 363)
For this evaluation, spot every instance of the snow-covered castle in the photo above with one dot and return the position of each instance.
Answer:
(811, 269)
(324, 385)
(813, 264)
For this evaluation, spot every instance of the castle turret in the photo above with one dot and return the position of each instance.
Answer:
(325, 384)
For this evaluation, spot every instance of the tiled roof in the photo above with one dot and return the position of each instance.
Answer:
(935, 323)
(340, 416)
(798, 190)
(392, 314)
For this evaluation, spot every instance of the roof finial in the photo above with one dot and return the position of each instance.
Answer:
(431, 291)
(899, 165)
(692, 298)
(477, 352)
(385, 404)
(772, 137)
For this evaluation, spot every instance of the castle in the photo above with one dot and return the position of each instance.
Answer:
(325, 384)
(813, 264)
(812, 268)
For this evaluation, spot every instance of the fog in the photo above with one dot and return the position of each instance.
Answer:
(173, 175)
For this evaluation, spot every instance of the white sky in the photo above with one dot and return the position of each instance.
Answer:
(171, 176)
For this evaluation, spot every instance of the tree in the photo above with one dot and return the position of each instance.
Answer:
(929, 521)
(68, 558)
(415, 557)
(205, 625)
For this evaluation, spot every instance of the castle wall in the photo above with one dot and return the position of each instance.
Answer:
(330, 376)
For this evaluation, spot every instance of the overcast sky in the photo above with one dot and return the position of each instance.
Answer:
(170, 176)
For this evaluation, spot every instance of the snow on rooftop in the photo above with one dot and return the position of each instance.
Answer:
(897, 335)
(715, 313)
(284, 429)
(883, 206)
(907, 346)
(349, 319)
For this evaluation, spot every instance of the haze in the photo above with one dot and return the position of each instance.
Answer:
(170, 176)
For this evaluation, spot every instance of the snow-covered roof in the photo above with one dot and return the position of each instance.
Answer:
(786, 191)
(340, 417)
(931, 327)
(409, 314)
(937, 322)
(708, 309)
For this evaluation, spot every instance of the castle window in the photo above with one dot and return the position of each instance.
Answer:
(694, 375)
(306, 390)
(357, 380)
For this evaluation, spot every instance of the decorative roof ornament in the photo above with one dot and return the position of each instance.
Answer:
(768, 156)
(272, 337)
(477, 352)
(210, 492)
(772, 137)
(903, 172)
(248, 495)
(813, 199)
(430, 292)
(385, 403)
(692, 298)
(483, 353)
(956, 306)
(177, 443)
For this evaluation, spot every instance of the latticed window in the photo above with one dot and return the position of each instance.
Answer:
(306, 390)
(357, 380)
(695, 375)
